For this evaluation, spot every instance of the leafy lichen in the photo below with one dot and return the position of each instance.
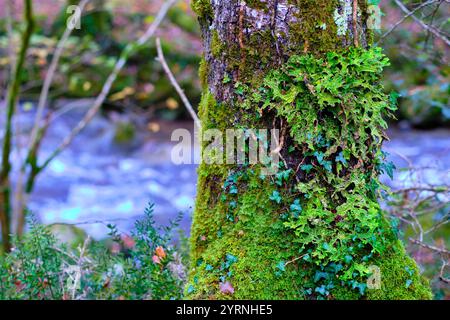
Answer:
(314, 232)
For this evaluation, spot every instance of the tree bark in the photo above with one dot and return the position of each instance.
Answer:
(248, 239)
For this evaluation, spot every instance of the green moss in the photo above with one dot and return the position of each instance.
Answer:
(216, 44)
(309, 33)
(400, 277)
(257, 4)
(253, 238)
(203, 73)
(202, 8)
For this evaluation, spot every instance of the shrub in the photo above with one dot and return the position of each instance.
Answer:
(147, 266)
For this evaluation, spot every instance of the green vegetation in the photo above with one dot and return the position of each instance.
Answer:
(146, 265)
(314, 233)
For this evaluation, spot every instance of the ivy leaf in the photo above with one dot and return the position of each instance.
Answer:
(275, 197)
(190, 289)
(296, 207)
(320, 275)
(281, 266)
(226, 288)
(340, 158)
(388, 168)
(408, 283)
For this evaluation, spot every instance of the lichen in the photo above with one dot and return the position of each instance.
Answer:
(329, 225)
(314, 229)
(341, 18)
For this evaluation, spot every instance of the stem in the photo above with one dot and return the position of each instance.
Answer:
(175, 84)
(36, 136)
(12, 97)
(429, 28)
(355, 23)
(404, 18)
(129, 49)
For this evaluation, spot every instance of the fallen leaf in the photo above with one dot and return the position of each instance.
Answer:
(226, 288)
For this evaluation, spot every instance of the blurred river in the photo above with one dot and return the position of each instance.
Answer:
(97, 179)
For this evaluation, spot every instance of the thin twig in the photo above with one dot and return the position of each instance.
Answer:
(425, 4)
(430, 247)
(12, 97)
(35, 137)
(129, 49)
(175, 84)
(49, 79)
(422, 24)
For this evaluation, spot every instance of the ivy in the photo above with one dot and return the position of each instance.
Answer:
(275, 197)
(335, 108)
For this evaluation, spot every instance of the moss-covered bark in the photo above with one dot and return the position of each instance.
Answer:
(313, 230)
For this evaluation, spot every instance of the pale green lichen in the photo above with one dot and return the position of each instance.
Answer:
(341, 19)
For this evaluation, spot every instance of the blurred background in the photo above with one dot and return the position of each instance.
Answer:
(121, 161)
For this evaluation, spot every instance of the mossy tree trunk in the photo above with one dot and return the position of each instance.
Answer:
(314, 230)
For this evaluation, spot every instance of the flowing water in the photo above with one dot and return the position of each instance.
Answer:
(96, 180)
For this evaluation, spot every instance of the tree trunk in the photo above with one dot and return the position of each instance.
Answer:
(314, 230)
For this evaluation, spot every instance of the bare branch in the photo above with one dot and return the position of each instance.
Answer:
(49, 79)
(430, 247)
(175, 84)
(425, 4)
(129, 49)
(422, 24)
